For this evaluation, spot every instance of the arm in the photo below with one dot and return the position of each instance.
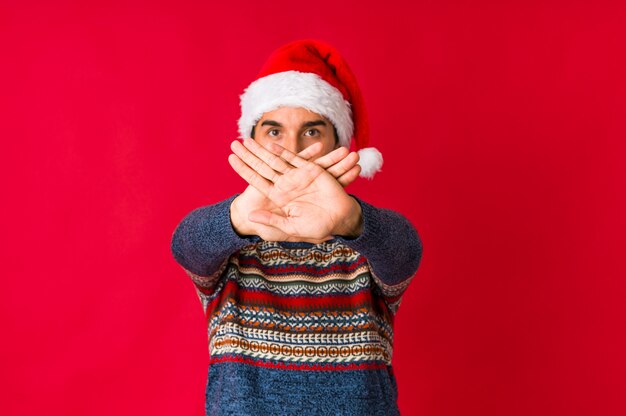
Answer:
(312, 205)
(206, 237)
(204, 240)
(391, 245)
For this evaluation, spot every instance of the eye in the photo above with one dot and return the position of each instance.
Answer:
(273, 132)
(312, 133)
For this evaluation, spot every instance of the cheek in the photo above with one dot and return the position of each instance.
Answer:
(330, 144)
(262, 140)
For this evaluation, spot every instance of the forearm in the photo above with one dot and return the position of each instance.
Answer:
(390, 243)
(205, 238)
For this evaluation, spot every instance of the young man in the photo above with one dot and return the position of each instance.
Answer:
(300, 281)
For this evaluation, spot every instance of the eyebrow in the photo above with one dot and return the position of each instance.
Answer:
(314, 123)
(307, 124)
(271, 123)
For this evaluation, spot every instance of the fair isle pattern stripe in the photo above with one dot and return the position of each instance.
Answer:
(272, 276)
(298, 366)
(208, 281)
(285, 272)
(280, 346)
(301, 323)
(290, 270)
(392, 294)
(321, 256)
(336, 301)
(318, 353)
(298, 308)
(336, 284)
(347, 338)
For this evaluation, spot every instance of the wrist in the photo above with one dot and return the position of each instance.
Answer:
(352, 225)
(237, 222)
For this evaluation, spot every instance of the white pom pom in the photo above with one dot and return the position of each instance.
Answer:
(371, 160)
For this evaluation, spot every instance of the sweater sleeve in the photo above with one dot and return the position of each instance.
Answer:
(204, 240)
(392, 248)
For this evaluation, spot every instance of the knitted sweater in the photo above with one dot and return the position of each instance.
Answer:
(299, 328)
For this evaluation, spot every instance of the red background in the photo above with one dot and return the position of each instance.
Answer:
(502, 128)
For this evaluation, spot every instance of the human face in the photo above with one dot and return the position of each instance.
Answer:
(295, 129)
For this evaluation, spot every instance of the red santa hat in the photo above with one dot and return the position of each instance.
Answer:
(312, 75)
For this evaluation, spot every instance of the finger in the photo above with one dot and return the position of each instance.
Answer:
(249, 175)
(350, 176)
(344, 165)
(256, 164)
(311, 151)
(266, 156)
(269, 218)
(306, 154)
(285, 154)
(333, 157)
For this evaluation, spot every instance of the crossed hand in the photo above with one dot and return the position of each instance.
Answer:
(293, 197)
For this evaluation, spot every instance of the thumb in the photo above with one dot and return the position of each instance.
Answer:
(261, 216)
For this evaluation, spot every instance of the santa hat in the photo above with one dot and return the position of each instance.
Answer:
(312, 75)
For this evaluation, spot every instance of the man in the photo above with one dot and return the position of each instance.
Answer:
(299, 280)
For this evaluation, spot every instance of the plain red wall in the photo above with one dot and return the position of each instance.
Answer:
(502, 128)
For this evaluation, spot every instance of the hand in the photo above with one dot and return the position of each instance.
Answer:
(309, 204)
(340, 163)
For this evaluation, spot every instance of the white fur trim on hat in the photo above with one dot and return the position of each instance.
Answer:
(370, 160)
(296, 89)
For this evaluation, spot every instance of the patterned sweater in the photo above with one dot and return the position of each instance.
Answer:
(299, 328)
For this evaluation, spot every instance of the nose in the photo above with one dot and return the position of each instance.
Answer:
(291, 142)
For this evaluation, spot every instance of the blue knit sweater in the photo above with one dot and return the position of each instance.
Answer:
(299, 328)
